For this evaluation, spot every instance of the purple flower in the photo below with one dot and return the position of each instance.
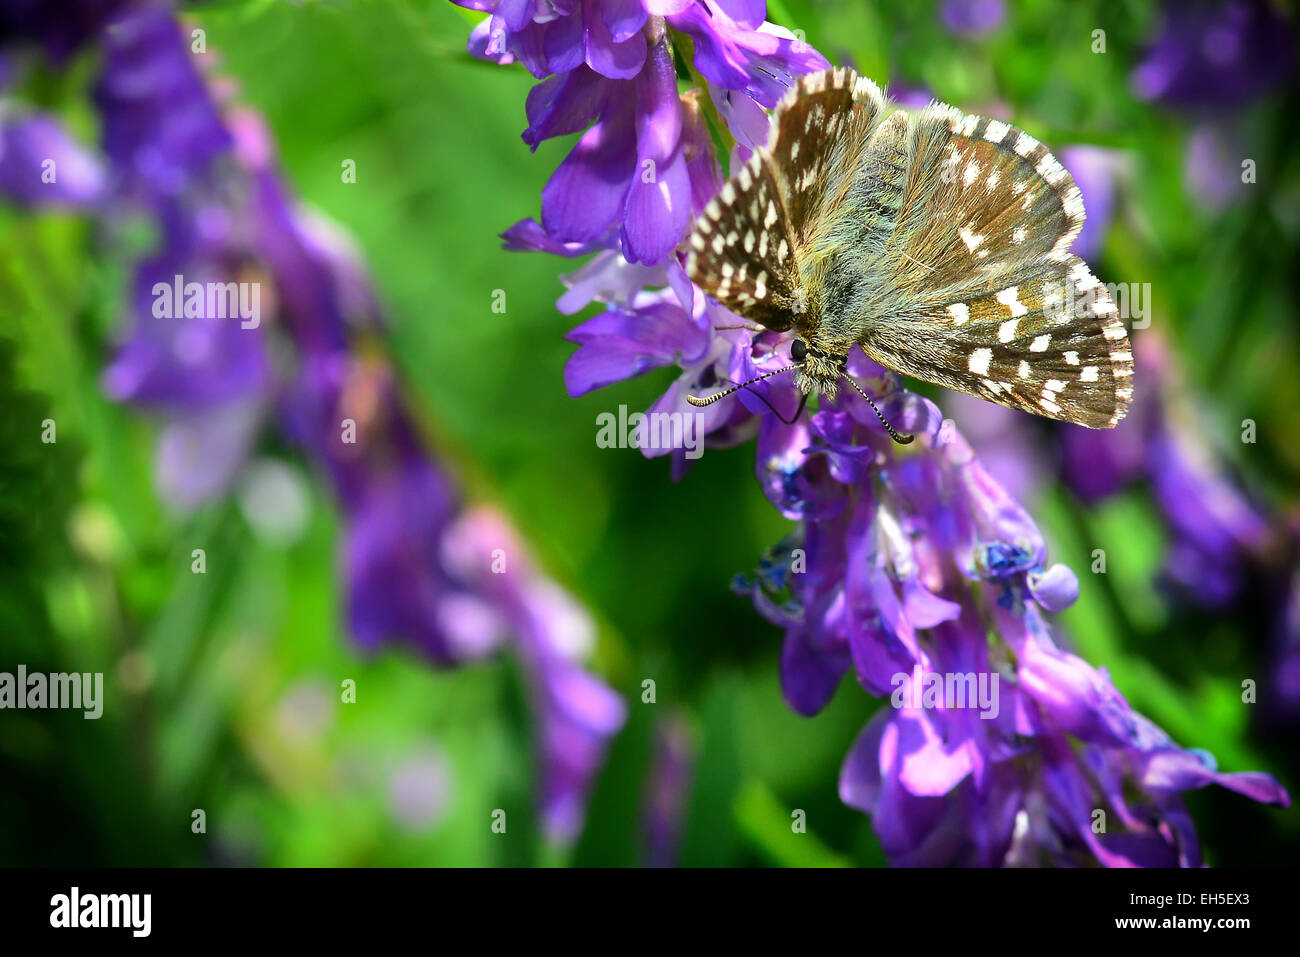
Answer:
(904, 565)
(1216, 530)
(667, 790)
(628, 173)
(1031, 787)
(931, 568)
(183, 353)
(1283, 705)
(41, 165)
(416, 565)
(1095, 172)
(60, 28)
(736, 50)
(972, 17)
(577, 713)
(1216, 54)
(554, 37)
(644, 166)
(1212, 172)
(1006, 443)
(161, 128)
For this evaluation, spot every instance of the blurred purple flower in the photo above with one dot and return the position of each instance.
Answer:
(162, 129)
(1095, 171)
(1283, 706)
(419, 789)
(59, 28)
(1213, 170)
(415, 561)
(1006, 443)
(1225, 552)
(972, 17)
(668, 786)
(41, 165)
(910, 96)
(1216, 55)
(1216, 530)
(577, 714)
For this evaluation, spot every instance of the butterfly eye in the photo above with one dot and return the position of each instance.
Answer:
(798, 350)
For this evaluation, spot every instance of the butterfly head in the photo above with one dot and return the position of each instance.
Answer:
(818, 368)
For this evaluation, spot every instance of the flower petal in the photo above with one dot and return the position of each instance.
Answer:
(587, 193)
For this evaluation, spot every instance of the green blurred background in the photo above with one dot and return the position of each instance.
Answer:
(232, 677)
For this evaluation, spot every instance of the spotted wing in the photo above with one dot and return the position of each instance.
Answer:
(1051, 344)
(983, 204)
(745, 248)
(981, 293)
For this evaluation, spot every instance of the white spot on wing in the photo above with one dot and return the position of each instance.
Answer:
(1008, 298)
(995, 131)
(1025, 144)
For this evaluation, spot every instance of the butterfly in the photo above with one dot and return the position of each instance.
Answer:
(937, 241)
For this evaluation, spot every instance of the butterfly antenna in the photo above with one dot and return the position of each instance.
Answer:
(710, 399)
(803, 400)
(893, 433)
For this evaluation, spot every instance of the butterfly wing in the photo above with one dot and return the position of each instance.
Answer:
(746, 247)
(977, 289)
(1051, 344)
